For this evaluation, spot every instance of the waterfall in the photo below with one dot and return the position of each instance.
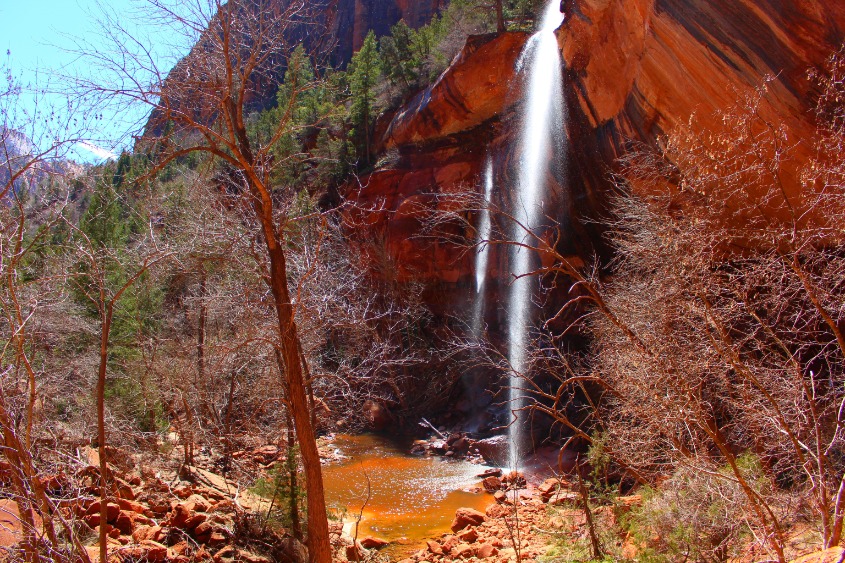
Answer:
(482, 255)
(539, 145)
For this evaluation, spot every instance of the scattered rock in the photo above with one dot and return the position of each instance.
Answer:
(462, 551)
(449, 543)
(374, 543)
(470, 535)
(147, 551)
(494, 450)
(491, 484)
(467, 517)
(493, 472)
(514, 480)
(355, 552)
(486, 550)
(112, 511)
(434, 547)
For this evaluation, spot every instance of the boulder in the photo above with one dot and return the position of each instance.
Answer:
(11, 529)
(112, 510)
(491, 484)
(497, 511)
(514, 480)
(467, 517)
(494, 450)
(374, 543)
(549, 487)
(132, 506)
(154, 533)
(355, 552)
(195, 520)
(125, 522)
(197, 503)
(449, 543)
(461, 445)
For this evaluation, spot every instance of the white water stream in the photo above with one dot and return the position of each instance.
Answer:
(482, 256)
(543, 125)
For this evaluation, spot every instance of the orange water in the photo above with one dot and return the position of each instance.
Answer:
(410, 498)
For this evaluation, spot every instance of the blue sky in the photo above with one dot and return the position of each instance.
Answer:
(33, 32)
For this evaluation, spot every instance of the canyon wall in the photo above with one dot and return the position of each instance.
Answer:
(635, 70)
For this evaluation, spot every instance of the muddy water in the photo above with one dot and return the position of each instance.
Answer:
(410, 499)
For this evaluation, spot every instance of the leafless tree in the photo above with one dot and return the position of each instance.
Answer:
(202, 106)
(33, 193)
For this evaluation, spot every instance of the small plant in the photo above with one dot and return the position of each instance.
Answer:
(697, 515)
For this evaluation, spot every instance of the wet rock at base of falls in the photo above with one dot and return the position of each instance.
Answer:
(494, 450)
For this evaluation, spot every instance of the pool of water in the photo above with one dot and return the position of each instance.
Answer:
(400, 497)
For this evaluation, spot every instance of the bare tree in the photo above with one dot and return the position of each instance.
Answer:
(33, 193)
(202, 106)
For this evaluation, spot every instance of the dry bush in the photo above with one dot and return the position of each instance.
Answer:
(731, 294)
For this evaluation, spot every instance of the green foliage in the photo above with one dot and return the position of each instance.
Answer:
(365, 71)
(277, 488)
(698, 515)
(305, 128)
(131, 401)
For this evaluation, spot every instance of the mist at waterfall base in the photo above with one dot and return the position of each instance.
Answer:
(540, 152)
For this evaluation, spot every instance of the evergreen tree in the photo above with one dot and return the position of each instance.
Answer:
(365, 71)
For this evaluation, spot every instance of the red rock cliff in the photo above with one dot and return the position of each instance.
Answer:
(636, 68)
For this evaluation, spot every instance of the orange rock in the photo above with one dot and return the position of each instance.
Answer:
(154, 533)
(11, 527)
(641, 68)
(370, 542)
(469, 535)
(195, 520)
(491, 484)
(470, 92)
(434, 547)
(125, 522)
(462, 551)
(467, 517)
(132, 506)
(112, 511)
(486, 550)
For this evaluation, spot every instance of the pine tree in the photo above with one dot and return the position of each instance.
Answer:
(365, 71)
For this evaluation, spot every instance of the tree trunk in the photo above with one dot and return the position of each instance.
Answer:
(319, 548)
(101, 427)
(500, 17)
(295, 524)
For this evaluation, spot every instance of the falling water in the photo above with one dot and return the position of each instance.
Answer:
(542, 126)
(482, 256)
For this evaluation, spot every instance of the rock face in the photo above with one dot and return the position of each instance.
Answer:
(436, 146)
(635, 70)
(639, 68)
(351, 20)
(332, 30)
